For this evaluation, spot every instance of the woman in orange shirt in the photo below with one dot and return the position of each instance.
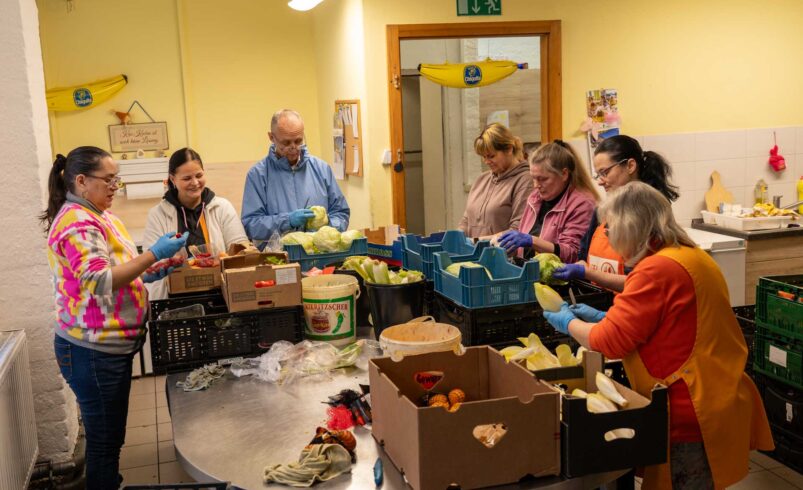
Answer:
(673, 324)
(617, 161)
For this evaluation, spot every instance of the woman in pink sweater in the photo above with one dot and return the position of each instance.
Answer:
(560, 207)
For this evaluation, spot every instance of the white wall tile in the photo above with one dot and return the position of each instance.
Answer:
(799, 140)
(674, 147)
(719, 145)
(731, 172)
(759, 141)
(683, 174)
(758, 168)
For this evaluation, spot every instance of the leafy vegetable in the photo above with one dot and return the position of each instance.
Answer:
(320, 219)
(376, 271)
(272, 259)
(349, 236)
(300, 238)
(454, 269)
(327, 239)
(547, 265)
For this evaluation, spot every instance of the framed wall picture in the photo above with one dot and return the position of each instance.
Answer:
(141, 136)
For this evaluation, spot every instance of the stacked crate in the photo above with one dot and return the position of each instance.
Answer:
(778, 362)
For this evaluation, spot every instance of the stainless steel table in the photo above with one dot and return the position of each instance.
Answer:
(232, 430)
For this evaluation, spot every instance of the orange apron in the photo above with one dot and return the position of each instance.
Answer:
(601, 256)
(732, 420)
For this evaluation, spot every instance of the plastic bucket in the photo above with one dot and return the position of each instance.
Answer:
(330, 308)
(420, 336)
(363, 307)
(392, 304)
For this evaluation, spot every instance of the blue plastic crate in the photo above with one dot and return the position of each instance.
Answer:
(296, 253)
(418, 252)
(473, 289)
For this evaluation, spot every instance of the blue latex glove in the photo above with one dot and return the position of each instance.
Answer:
(560, 319)
(570, 271)
(512, 239)
(299, 217)
(587, 313)
(167, 246)
(158, 275)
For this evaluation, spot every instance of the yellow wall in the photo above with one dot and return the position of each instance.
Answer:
(338, 27)
(679, 66)
(102, 38)
(243, 61)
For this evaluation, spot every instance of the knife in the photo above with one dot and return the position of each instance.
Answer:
(571, 297)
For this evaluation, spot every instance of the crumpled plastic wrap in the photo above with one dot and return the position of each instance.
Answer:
(285, 362)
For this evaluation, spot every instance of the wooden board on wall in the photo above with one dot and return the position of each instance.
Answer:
(520, 95)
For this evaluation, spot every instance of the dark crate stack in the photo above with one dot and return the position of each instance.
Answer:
(500, 326)
(778, 362)
(187, 343)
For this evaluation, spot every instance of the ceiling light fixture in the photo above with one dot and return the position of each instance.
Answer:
(303, 5)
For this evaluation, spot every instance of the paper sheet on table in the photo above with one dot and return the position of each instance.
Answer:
(353, 116)
(356, 166)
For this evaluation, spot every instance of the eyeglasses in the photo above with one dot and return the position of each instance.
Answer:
(603, 174)
(111, 182)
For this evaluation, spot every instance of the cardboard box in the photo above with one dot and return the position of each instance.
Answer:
(240, 275)
(435, 448)
(584, 449)
(188, 280)
(384, 244)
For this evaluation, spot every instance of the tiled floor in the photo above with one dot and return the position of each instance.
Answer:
(148, 455)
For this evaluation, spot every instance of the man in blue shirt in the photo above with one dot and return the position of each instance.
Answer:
(280, 188)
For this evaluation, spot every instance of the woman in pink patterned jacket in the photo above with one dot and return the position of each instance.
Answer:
(100, 299)
(560, 207)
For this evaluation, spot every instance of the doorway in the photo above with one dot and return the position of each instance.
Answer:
(430, 136)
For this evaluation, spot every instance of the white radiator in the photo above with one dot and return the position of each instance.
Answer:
(18, 442)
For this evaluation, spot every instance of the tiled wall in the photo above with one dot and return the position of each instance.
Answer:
(740, 156)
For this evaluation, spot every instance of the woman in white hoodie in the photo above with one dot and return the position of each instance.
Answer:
(190, 206)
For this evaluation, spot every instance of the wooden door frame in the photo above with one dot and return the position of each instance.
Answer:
(551, 109)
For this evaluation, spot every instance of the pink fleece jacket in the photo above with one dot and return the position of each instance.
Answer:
(565, 224)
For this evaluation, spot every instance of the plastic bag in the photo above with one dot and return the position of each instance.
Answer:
(285, 362)
(191, 311)
(274, 243)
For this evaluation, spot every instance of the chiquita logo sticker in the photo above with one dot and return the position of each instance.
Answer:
(472, 75)
(428, 379)
(82, 97)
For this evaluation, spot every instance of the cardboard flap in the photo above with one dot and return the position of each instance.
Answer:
(250, 260)
(384, 235)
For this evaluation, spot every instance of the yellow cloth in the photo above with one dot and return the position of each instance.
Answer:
(318, 462)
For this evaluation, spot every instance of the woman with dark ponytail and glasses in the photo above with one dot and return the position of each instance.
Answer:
(560, 207)
(100, 299)
(190, 206)
(617, 161)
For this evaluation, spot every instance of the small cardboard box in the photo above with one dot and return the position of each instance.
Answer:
(584, 449)
(241, 273)
(384, 244)
(435, 448)
(188, 280)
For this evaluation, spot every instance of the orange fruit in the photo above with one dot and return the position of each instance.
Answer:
(437, 398)
(457, 396)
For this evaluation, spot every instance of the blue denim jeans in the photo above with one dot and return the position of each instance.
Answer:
(101, 383)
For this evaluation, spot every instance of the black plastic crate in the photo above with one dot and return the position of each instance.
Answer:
(500, 326)
(788, 448)
(783, 404)
(188, 343)
(212, 301)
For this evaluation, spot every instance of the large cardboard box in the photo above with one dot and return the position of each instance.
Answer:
(244, 279)
(188, 280)
(435, 448)
(584, 447)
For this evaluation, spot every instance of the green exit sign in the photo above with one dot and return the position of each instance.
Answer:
(479, 7)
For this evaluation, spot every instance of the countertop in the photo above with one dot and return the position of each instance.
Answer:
(698, 224)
